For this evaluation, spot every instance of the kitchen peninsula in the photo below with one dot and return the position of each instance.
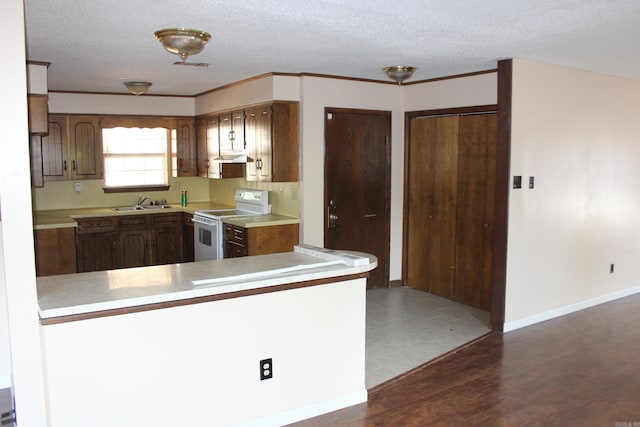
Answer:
(185, 344)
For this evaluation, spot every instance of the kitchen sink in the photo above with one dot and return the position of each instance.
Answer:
(153, 207)
(140, 208)
(128, 208)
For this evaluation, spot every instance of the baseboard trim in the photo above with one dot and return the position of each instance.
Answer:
(547, 315)
(5, 382)
(310, 411)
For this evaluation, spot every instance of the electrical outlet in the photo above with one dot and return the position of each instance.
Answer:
(266, 369)
(177, 185)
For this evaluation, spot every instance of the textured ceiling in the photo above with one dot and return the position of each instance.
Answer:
(95, 45)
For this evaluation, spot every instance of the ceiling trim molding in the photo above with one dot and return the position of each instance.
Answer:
(273, 74)
(455, 76)
(77, 92)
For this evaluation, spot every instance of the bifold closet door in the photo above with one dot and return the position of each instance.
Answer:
(475, 203)
(451, 184)
(432, 181)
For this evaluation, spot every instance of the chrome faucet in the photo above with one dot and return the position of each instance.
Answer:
(141, 200)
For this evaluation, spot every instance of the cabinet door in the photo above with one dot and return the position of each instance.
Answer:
(166, 245)
(85, 147)
(232, 139)
(186, 150)
(38, 110)
(55, 251)
(226, 138)
(272, 239)
(213, 145)
(187, 237)
(238, 144)
(272, 143)
(55, 164)
(202, 156)
(96, 251)
(133, 248)
(258, 136)
(284, 142)
(252, 135)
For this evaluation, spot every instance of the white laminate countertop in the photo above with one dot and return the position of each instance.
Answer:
(81, 293)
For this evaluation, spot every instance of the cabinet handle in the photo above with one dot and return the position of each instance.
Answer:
(64, 165)
(73, 164)
(113, 246)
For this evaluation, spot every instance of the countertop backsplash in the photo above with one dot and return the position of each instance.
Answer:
(55, 195)
(62, 194)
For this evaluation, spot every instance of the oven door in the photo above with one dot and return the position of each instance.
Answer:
(207, 240)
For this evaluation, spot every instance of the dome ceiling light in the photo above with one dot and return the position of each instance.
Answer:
(138, 88)
(183, 42)
(399, 73)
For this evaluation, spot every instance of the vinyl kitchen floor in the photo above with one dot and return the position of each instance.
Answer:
(407, 327)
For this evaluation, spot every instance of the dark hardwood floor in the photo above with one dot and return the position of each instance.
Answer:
(582, 369)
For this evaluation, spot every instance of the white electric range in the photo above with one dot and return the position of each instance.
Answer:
(208, 233)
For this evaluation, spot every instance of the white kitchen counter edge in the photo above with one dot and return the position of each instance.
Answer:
(309, 273)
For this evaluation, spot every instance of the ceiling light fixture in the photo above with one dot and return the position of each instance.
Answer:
(399, 73)
(182, 41)
(138, 88)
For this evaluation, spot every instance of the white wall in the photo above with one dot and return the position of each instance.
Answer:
(17, 271)
(83, 103)
(265, 89)
(316, 94)
(198, 365)
(578, 134)
(480, 89)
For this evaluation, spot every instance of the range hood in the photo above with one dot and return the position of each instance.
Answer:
(231, 158)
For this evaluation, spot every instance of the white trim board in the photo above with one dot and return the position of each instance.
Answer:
(309, 411)
(557, 312)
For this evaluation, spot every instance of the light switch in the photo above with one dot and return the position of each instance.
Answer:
(78, 187)
(531, 181)
(517, 181)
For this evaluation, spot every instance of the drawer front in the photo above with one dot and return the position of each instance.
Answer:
(233, 233)
(95, 225)
(166, 219)
(133, 221)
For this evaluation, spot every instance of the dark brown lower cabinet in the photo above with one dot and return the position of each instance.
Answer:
(240, 241)
(166, 239)
(96, 243)
(55, 250)
(96, 251)
(187, 238)
(131, 241)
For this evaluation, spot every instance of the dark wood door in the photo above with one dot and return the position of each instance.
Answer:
(357, 185)
(431, 209)
(474, 232)
(450, 205)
